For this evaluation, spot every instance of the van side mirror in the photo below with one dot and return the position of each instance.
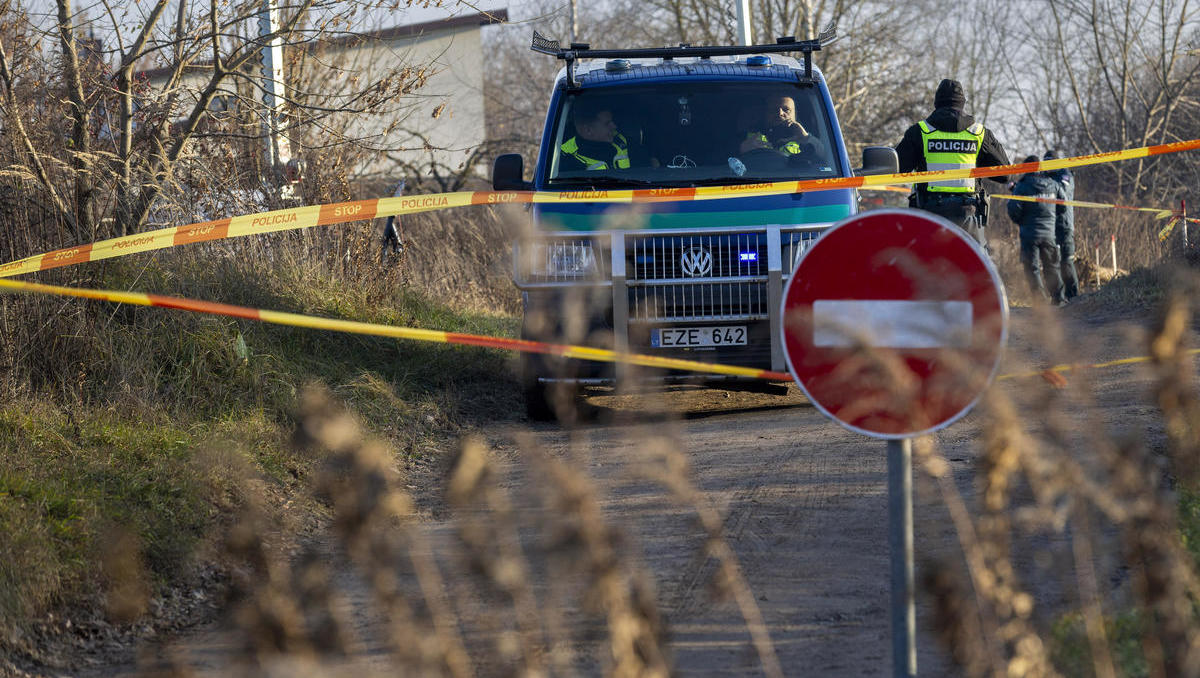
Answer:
(878, 160)
(508, 172)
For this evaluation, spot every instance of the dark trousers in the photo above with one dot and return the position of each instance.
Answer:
(1038, 254)
(961, 210)
(1066, 252)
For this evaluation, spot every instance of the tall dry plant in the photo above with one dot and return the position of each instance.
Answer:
(1042, 478)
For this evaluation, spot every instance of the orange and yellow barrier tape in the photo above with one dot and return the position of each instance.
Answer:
(355, 327)
(1176, 216)
(1053, 375)
(1158, 212)
(337, 213)
(891, 189)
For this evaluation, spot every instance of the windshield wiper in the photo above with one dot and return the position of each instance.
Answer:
(736, 181)
(602, 181)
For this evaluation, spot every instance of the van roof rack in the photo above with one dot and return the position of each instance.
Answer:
(581, 50)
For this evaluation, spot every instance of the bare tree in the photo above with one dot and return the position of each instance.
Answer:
(878, 83)
(1120, 74)
(115, 144)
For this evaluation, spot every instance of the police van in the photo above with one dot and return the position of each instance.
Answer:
(698, 280)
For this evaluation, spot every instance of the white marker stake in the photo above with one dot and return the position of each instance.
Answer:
(1114, 254)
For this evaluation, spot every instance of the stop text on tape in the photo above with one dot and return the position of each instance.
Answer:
(323, 215)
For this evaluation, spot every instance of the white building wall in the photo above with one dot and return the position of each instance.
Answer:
(447, 113)
(434, 128)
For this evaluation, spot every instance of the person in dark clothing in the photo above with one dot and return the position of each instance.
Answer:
(1037, 220)
(597, 144)
(1064, 229)
(779, 130)
(951, 139)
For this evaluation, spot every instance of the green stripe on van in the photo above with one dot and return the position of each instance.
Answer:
(558, 221)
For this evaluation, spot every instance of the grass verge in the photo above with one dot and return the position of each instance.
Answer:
(162, 423)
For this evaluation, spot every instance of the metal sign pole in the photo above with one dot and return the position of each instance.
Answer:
(900, 544)
(843, 280)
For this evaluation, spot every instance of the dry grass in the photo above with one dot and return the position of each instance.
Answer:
(547, 585)
(552, 587)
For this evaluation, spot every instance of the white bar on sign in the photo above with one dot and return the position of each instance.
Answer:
(891, 324)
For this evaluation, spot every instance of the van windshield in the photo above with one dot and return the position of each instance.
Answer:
(688, 134)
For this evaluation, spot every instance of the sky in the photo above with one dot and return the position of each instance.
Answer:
(130, 13)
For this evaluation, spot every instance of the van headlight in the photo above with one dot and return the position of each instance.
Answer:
(563, 259)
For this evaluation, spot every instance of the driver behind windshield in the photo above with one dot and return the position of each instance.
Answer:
(597, 144)
(779, 130)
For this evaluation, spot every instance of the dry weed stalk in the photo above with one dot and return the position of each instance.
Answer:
(267, 613)
(1165, 573)
(128, 591)
(669, 467)
(993, 633)
(494, 549)
(582, 541)
(374, 520)
(1173, 368)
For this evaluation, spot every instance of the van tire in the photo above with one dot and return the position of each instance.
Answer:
(552, 401)
(537, 401)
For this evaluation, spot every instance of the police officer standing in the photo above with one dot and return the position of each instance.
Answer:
(951, 139)
(1064, 229)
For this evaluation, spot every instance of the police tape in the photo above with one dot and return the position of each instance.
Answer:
(1176, 216)
(1159, 213)
(1053, 375)
(359, 210)
(1176, 219)
(355, 327)
(892, 189)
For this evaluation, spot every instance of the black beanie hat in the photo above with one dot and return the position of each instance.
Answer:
(950, 95)
(1050, 155)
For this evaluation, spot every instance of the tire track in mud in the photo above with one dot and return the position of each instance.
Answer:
(804, 508)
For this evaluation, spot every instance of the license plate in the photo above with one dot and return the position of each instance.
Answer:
(692, 337)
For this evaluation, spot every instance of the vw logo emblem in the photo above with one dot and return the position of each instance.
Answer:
(696, 262)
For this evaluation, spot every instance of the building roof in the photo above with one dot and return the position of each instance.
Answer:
(484, 18)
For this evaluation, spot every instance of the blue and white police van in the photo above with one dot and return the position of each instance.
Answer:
(692, 279)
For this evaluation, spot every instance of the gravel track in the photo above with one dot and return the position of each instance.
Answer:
(804, 508)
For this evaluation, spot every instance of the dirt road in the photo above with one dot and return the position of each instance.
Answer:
(804, 508)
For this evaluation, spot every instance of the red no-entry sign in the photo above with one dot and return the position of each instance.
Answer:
(894, 322)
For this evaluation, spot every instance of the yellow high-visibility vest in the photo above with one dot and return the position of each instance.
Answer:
(788, 147)
(950, 151)
(621, 159)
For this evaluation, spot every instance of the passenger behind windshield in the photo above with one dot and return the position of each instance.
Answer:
(779, 130)
(691, 133)
(598, 144)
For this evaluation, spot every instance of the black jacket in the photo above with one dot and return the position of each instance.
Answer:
(1037, 219)
(912, 156)
(1066, 220)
